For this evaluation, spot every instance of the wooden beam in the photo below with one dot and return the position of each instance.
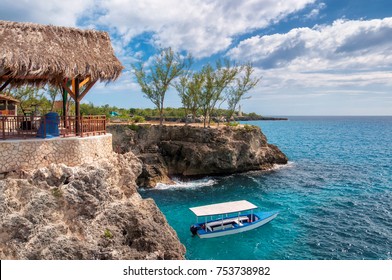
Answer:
(64, 84)
(85, 81)
(5, 84)
(90, 85)
(75, 83)
(73, 86)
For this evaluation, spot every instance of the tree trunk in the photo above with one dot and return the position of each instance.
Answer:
(194, 116)
(205, 119)
(161, 116)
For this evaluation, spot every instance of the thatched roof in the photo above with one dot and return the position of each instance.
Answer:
(39, 54)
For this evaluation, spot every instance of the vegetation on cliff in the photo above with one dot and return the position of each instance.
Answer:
(156, 80)
(203, 90)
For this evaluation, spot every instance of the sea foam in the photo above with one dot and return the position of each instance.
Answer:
(178, 184)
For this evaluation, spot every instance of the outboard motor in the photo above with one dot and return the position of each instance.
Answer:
(194, 229)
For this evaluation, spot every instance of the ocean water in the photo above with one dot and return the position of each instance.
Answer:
(334, 196)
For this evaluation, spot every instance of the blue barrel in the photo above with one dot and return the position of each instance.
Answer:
(49, 128)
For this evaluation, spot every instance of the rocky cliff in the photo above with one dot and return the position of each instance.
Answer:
(88, 212)
(194, 151)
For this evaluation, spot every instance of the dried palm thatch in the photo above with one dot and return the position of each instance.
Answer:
(44, 54)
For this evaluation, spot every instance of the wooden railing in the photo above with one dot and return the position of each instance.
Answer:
(7, 112)
(88, 125)
(21, 127)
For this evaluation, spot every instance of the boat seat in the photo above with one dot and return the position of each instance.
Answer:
(228, 221)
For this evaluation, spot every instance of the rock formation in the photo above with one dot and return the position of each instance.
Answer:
(194, 151)
(88, 212)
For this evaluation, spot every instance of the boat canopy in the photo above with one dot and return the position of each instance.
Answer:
(223, 208)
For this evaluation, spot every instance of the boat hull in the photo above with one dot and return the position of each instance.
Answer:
(262, 219)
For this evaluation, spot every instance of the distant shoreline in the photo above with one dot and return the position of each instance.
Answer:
(260, 119)
(245, 118)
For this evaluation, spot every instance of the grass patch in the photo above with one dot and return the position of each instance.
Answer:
(232, 124)
(107, 234)
(57, 193)
(138, 119)
(250, 128)
(134, 127)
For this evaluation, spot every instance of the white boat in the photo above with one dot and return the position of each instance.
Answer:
(228, 218)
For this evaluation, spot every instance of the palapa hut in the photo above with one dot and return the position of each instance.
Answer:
(8, 105)
(71, 58)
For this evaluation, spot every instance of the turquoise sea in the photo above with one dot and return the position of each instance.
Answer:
(334, 196)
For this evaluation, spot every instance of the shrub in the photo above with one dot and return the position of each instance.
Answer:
(138, 119)
(249, 127)
(134, 127)
(57, 192)
(232, 124)
(107, 234)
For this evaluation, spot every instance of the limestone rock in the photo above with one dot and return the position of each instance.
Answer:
(195, 151)
(91, 211)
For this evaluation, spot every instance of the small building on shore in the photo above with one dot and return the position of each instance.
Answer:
(8, 105)
(69, 59)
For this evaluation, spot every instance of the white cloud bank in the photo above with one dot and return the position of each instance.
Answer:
(344, 58)
(203, 27)
(345, 53)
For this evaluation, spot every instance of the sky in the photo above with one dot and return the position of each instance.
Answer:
(331, 57)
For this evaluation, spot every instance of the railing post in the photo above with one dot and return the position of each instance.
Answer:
(104, 124)
(3, 126)
(81, 121)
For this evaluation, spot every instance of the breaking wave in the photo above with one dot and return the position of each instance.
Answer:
(186, 184)
(289, 164)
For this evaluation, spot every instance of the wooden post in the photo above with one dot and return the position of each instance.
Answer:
(3, 126)
(77, 105)
(65, 107)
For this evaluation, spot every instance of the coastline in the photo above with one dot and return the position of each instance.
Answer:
(244, 118)
(339, 169)
(95, 211)
(191, 151)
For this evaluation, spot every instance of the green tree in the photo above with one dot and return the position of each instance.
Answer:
(53, 92)
(182, 88)
(154, 82)
(215, 83)
(241, 86)
(32, 100)
(189, 89)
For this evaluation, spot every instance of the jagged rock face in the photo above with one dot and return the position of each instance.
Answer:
(196, 151)
(88, 212)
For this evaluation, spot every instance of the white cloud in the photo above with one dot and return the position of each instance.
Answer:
(343, 54)
(314, 13)
(201, 27)
(57, 12)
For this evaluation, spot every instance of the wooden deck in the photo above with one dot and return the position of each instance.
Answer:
(23, 127)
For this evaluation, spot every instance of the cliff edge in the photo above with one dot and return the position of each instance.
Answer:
(194, 151)
(92, 211)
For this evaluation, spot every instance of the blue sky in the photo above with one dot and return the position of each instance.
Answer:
(330, 57)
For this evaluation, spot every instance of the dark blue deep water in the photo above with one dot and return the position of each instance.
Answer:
(334, 196)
